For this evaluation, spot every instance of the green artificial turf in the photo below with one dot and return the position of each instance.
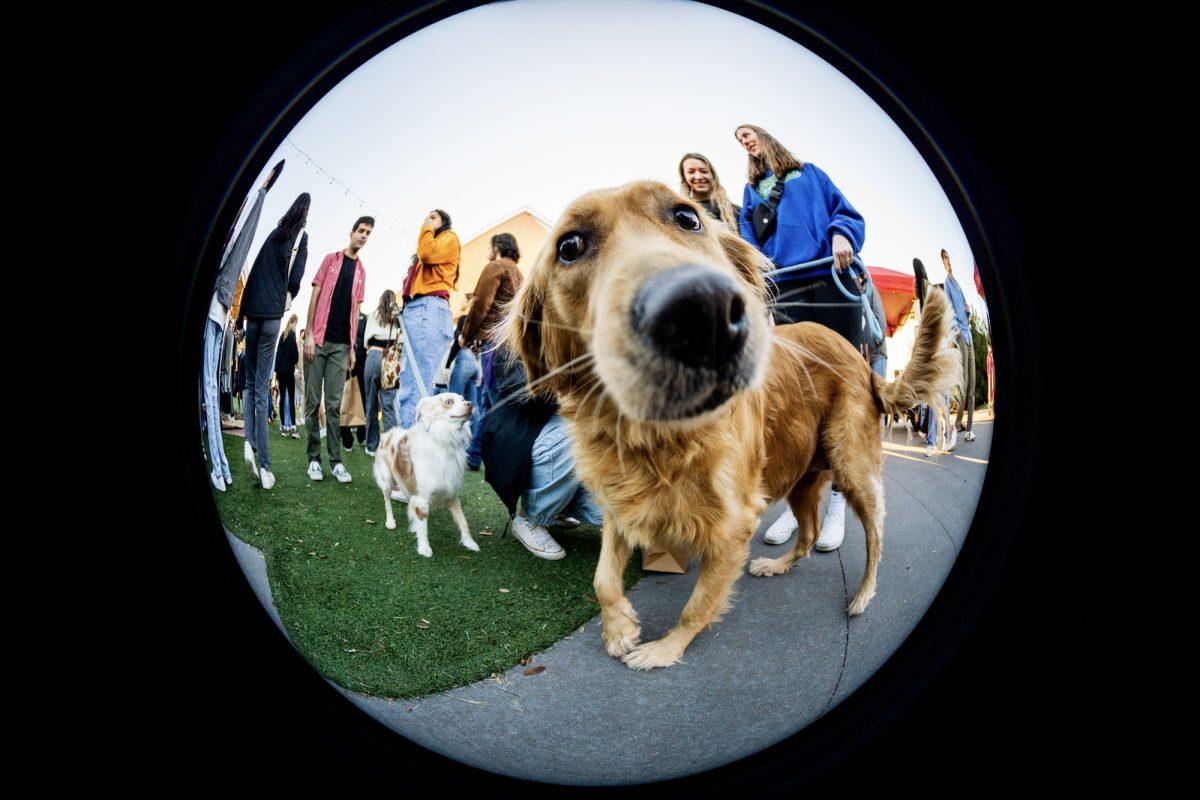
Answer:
(374, 616)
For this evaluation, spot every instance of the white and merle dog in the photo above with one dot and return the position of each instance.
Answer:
(424, 464)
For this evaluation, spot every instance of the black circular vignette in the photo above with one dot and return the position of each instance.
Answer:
(207, 95)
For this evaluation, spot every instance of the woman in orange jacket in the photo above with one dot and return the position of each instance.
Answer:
(431, 277)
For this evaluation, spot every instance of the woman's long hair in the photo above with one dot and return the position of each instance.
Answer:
(295, 219)
(445, 226)
(775, 156)
(385, 313)
(717, 195)
(291, 326)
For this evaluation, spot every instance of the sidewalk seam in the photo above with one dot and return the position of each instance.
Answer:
(928, 510)
(845, 645)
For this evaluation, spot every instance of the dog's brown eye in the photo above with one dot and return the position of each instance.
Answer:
(570, 247)
(687, 219)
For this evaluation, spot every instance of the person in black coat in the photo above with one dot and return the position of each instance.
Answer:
(274, 280)
(527, 455)
(287, 355)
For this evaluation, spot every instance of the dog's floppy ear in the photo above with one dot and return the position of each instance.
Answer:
(746, 259)
(424, 405)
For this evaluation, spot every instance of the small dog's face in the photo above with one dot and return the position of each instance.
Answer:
(447, 407)
(667, 302)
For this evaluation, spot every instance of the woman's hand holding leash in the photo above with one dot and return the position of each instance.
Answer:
(843, 251)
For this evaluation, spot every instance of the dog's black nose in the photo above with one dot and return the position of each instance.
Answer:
(692, 314)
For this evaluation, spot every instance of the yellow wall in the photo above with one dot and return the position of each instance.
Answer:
(530, 234)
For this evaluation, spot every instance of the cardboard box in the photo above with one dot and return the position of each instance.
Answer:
(665, 560)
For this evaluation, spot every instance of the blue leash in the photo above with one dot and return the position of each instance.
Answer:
(833, 271)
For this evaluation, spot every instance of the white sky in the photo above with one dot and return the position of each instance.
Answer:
(534, 102)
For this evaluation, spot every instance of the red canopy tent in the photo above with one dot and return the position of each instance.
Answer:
(898, 292)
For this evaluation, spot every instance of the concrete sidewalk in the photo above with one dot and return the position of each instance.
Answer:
(784, 655)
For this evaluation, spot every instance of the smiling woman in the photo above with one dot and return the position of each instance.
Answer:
(697, 413)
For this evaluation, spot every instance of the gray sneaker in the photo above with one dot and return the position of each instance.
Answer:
(314, 471)
(341, 473)
(537, 539)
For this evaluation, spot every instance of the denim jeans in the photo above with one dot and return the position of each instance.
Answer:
(475, 448)
(260, 362)
(933, 431)
(213, 336)
(463, 376)
(430, 331)
(287, 403)
(554, 488)
(377, 398)
(879, 364)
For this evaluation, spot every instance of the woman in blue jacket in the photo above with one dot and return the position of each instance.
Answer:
(813, 220)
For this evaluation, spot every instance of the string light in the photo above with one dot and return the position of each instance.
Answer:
(386, 219)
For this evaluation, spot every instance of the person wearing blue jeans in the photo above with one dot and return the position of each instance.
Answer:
(256, 401)
(274, 281)
(430, 330)
(464, 375)
(380, 333)
(527, 449)
(554, 488)
(428, 323)
(214, 335)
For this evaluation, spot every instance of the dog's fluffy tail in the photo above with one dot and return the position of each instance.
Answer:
(935, 368)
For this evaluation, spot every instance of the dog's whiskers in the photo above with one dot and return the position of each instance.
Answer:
(511, 396)
(542, 322)
(803, 352)
(809, 303)
(803, 366)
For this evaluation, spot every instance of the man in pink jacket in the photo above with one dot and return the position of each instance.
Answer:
(329, 348)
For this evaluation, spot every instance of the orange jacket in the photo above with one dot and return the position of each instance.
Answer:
(438, 267)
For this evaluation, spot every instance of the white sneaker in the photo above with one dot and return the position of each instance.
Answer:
(781, 529)
(268, 480)
(928, 450)
(833, 528)
(953, 439)
(314, 471)
(339, 472)
(251, 459)
(369, 452)
(969, 436)
(536, 539)
(217, 481)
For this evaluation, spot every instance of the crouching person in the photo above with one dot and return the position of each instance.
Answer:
(527, 457)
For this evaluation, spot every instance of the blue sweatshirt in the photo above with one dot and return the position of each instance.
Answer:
(959, 303)
(810, 212)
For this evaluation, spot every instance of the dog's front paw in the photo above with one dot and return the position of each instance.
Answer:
(425, 550)
(391, 524)
(621, 630)
(470, 545)
(652, 655)
(765, 567)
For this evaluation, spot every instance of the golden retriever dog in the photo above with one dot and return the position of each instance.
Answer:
(424, 466)
(690, 413)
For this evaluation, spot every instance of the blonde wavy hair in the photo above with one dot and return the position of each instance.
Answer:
(717, 195)
(291, 324)
(775, 157)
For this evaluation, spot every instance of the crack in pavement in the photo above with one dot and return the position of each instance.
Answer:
(928, 510)
(846, 644)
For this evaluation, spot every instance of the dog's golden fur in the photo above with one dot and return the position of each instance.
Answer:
(804, 408)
